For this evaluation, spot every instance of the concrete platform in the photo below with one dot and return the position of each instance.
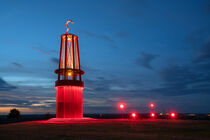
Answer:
(69, 120)
(80, 120)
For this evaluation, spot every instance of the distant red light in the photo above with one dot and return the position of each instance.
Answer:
(152, 115)
(133, 115)
(152, 105)
(122, 106)
(173, 115)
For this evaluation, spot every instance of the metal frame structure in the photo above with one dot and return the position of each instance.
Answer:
(69, 71)
(69, 86)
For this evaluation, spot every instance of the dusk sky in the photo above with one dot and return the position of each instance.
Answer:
(134, 51)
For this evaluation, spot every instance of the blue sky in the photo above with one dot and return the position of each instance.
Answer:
(136, 51)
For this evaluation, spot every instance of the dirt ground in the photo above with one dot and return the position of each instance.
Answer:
(109, 129)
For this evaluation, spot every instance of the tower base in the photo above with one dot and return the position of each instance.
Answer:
(69, 103)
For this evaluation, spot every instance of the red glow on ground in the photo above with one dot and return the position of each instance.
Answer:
(152, 115)
(152, 105)
(80, 121)
(69, 102)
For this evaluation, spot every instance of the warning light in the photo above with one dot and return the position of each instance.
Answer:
(152, 105)
(173, 115)
(133, 115)
(122, 106)
(152, 115)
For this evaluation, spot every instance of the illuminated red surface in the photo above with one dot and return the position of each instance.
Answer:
(69, 102)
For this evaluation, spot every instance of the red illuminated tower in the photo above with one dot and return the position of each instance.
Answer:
(69, 86)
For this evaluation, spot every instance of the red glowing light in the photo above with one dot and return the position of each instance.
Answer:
(152, 105)
(69, 102)
(133, 115)
(152, 115)
(173, 115)
(122, 106)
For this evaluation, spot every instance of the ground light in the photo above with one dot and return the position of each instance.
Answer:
(172, 115)
(152, 115)
(133, 115)
(122, 107)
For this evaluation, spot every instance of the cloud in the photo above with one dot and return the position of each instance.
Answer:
(17, 64)
(207, 7)
(55, 60)
(175, 80)
(4, 86)
(203, 53)
(145, 60)
(42, 49)
(193, 77)
(102, 37)
(131, 8)
(12, 101)
(9, 42)
(122, 34)
(183, 80)
(199, 43)
(34, 98)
